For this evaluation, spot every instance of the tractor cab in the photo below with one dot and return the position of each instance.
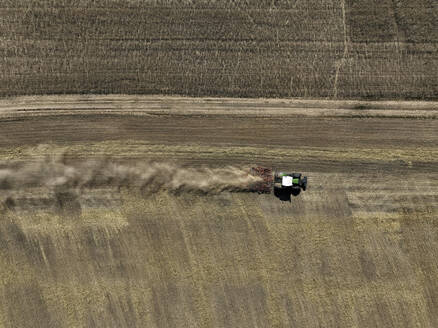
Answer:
(294, 181)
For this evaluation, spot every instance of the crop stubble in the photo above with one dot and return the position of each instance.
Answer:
(357, 248)
(324, 48)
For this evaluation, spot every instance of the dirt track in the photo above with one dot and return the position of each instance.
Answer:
(358, 248)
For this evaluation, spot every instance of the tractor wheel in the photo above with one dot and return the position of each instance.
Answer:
(295, 191)
(304, 183)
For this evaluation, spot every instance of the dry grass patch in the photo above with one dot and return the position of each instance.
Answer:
(134, 149)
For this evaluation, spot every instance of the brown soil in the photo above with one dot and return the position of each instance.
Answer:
(315, 49)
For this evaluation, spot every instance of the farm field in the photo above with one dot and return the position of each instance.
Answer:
(357, 249)
(321, 48)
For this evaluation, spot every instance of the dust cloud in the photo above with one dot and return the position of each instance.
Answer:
(56, 174)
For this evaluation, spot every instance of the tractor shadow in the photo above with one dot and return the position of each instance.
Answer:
(285, 195)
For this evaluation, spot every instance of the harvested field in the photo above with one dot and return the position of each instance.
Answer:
(319, 48)
(357, 249)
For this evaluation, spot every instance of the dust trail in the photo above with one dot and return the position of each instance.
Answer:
(56, 174)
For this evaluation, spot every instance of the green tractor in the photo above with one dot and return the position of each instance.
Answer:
(286, 184)
(282, 184)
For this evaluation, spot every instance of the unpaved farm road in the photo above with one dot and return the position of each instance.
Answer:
(357, 249)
